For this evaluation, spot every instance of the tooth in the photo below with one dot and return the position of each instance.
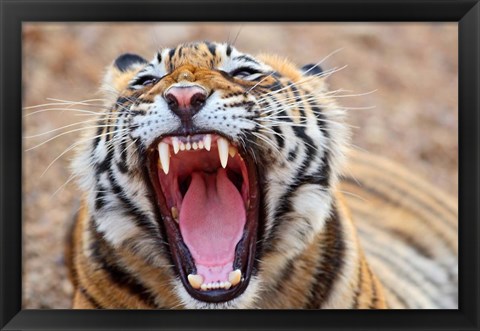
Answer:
(200, 144)
(182, 146)
(228, 285)
(175, 213)
(188, 146)
(223, 151)
(195, 280)
(232, 151)
(207, 141)
(209, 286)
(216, 285)
(204, 287)
(164, 154)
(234, 277)
(175, 144)
(195, 146)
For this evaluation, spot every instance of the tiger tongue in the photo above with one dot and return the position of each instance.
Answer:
(212, 219)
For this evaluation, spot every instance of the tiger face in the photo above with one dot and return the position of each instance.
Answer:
(214, 165)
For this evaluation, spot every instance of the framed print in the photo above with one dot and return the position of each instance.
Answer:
(228, 166)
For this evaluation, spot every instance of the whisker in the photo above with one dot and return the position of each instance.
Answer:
(72, 146)
(64, 102)
(61, 128)
(71, 131)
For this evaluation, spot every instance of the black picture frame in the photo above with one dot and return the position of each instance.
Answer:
(14, 12)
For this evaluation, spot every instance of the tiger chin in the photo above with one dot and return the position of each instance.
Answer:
(211, 180)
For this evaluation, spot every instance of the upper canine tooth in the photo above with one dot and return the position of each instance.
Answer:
(232, 151)
(164, 155)
(234, 277)
(176, 146)
(223, 151)
(208, 142)
(195, 280)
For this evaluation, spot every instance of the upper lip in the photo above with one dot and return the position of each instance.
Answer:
(179, 252)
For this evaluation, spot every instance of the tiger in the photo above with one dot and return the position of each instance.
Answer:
(215, 179)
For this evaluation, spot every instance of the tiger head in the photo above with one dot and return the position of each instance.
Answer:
(215, 163)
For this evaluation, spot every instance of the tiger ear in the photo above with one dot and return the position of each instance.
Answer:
(312, 70)
(121, 71)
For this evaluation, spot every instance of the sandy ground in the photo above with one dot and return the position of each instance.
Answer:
(406, 73)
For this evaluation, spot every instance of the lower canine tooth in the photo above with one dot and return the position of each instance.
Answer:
(175, 213)
(234, 277)
(232, 151)
(195, 280)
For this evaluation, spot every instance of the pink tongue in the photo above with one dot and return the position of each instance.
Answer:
(212, 219)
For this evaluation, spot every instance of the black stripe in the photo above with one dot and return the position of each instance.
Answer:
(332, 256)
(122, 162)
(440, 202)
(292, 154)
(229, 50)
(358, 291)
(374, 299)
(367, 217)
(122, 100)
(298, 98)
(212, 48)
(375, 192)
(104, 254)
(159, 57)
(130, 209)
(104, 165)
(393, 291)
(100, 197)
(279, 137)
(90, 299)
(246, 58)
(98, 136)
(171, 53)
(395, 265)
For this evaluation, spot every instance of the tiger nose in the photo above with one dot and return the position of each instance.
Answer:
(185, 101)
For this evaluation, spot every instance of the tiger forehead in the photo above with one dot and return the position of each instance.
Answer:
(199, 55)
(210, 80)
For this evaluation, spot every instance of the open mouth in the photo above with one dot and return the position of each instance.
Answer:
(207, 192)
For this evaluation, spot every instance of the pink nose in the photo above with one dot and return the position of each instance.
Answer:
(185, 101)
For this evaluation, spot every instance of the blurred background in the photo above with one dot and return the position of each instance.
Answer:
(406, 75)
